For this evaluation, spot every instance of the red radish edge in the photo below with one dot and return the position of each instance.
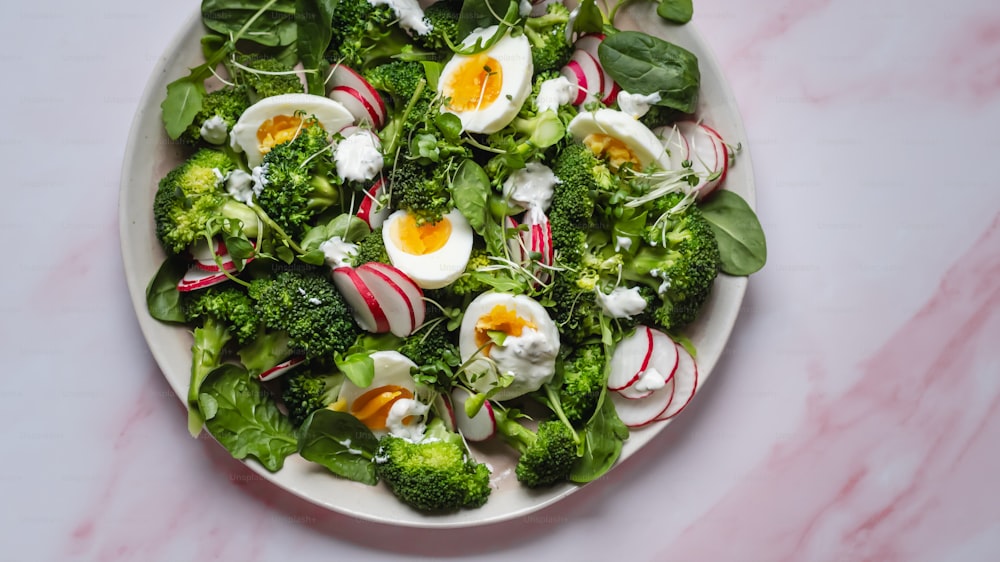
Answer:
(576, 75)
(642, 366)
(480, 427)
(388, 293)
(373, 219)
(662, 357)
(413, 291)
(281, 368)
(638, 413)
(685, 384)
(196, 279)
(359, 80)
(367, 310)
(372, 113)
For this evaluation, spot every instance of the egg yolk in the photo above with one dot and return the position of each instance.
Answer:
(499, 319)
(278, 129)
(420, 239)
(372, 407)
(475, 83)
(616, 151)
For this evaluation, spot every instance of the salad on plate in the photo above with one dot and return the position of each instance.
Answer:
(402, 233)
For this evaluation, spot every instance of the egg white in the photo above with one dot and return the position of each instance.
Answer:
(642, 142)
(391, 368)
(438, 268)
(514, 56)
(332, 115)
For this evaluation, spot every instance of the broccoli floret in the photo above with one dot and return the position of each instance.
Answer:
(436, 474)
(550, 49)
(471, 282)
(306, 305)
(371, 248)
(421, 190)
(547, 455)
(273, 78)
(227, 104)
(680, 262)
(308, 389)
(220, 314)
(582, 382)
(297, 180)
(190, 195)
(365, 35)
(442, 16)
(407, 96)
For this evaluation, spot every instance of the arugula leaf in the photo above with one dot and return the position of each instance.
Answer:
(742, 248)
(603, 437)
(643, 64)
(676, 11)
(313, 35)
(341, 443)
(163, 300)
(243, 416)
(183, 102)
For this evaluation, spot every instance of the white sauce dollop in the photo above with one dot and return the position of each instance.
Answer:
(529, 358)
(240, 185)
(214, 130)
(621, 303)
(622, 243)
(358, 157)
(401, 409)
(411, 17)
(636, 105)
(531, 187)
(650, 380)
(338, 253)
(555, 92)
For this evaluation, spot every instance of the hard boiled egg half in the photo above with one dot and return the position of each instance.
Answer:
(514, 336)
(432, 254)
(278, 119)
(487, 89)
(391, 385)
(619, 138)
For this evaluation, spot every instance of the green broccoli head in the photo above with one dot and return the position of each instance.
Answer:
(471, 282)
(267, 77)
(421, 190)
(365, 35)
(226, 104)
(436, 474)
(442, 16)
(306, 305)
(191, 195)
(308, 389)
(371, 248)
(297, 179)
(583, 381)
(680, 262)
(547, 455)
(229, 306)
(550, 49)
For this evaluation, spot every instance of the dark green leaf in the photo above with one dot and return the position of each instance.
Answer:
(450, 126)
(643, 64)
(245, 418)
(312, 19)
(341, 443)
(470, 190)
(284, 254)
(602, 444)
(274, 26)
(481, 13)
(676, 11)
(183, 102)
(742, 247)
(163, 300)
(211, 43)
(314, 257)
(589, 19)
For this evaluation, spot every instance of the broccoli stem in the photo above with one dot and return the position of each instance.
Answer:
(513, 432)
(393, 145)
(206, 353)
(281, 234)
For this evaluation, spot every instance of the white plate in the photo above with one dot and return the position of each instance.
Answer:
(150, 154)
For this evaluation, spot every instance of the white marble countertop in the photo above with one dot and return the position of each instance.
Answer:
(855, 416)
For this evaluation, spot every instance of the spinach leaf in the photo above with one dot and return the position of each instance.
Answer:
(183, 102)
(243, 416)
(341, 443)
(470, 190)
(313, 35)
(742, 247)
(589, 18)
(266, 22)
(643, 64)
(676, 11)
(602, 444)
(349, 227)
(163, 300)
(481, 13)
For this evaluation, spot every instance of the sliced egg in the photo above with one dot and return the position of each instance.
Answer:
(619, 138)
(278, 119)
(487, 89)
(514, 336)
(391, 384)
(432, 254)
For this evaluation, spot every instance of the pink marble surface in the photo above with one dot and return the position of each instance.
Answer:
(855, 416)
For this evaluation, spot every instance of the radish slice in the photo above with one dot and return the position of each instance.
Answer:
(444, 410)
(637, 413)
(281, 368)
(724, 151)
(360, 108)
(369, 96)
(518, 251)
(538, 240)
(205, 255)
(662, 358)
(196, 279)
(414, 294)
(589, 43)
(685, 384)
(208, 263)
(630, 357)
(574, 73)
(480, 427)
(708, 155)
(373, 210)
(593, 73)
(678, 148)
(391, 298)
(365, 307)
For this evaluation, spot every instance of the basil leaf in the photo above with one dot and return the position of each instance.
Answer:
(676, 11)
(275, 25)
(603, 437)
(163, 300)
(313, 34)
(341, 443)
(182, 104)
(470, 190)
(643, 64)
(742, 248)
(245, 418)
